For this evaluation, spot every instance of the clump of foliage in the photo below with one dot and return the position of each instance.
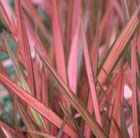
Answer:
(69, 68)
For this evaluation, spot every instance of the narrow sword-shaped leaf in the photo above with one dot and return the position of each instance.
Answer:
(116, 107)
(31, 10)
(59, 50)
(58, 43)
(75, 16)
(23, 84)
(134, 93)
(80, 107)
(90, 77)
(44, 111)
(26, 57)
(134, 67)
(24, 44)
(119, 46)
(73, 62)
(68, 26)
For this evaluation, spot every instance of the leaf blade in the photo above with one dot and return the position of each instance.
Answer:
(44, 111)
(119, 46)
(80, 107)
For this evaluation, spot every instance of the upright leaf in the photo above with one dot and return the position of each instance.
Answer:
(58, 43)
(119, 46)
(24, 84)
(73, 62)
(24, 44)
(90, 78)
(134, 90)
(80, 107)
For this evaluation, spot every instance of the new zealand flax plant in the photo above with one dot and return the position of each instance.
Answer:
(69, 68)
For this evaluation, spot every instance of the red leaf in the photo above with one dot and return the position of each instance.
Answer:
(44, 111)
(91, 78)
(24, 44)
